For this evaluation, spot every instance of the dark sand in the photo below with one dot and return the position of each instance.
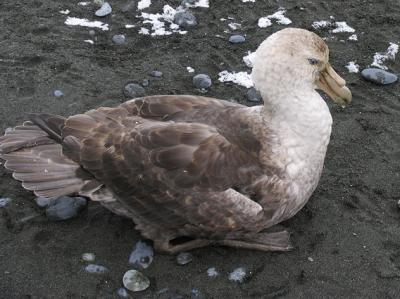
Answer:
(350, 227)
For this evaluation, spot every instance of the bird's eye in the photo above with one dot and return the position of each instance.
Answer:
(313, 61)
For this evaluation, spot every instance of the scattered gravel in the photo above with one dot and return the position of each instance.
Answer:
(185, 19)
(135, 281)
(237, 39)
(119, 39)
(184, 258)
(378, 76)
(65, 207)
(202, 81)
(133, 90)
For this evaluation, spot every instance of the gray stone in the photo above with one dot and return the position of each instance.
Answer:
(4, 201)
(58, 93)
(133, 90)
(185, 19)
(65, 207)
(253, 95)
(88, 257)
(237, 39)
(43, 202)
(135, 281)
(104, 10)
(119, 39)
(142, 256)
(185, 3)
(156, 74)
(202, 81)
(145, 82)
(378, 76)
(184, 258)
(92, 32)
(123, 293)
(96, 269)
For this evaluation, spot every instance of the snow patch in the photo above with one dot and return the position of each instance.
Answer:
(158, 22)
(89, 41)
(234, 26)
(65, 12)
(321, 24)
(342, 27)
(238, 274)
(199, 3)
(72, 21)
(84, 3)
(190, 69)
(128, 26)
(245, 1)
(212, 272)
(142, 4)
(249, 58)
(240, 78)
(380, 58)
(353, 67)
(353, 37)
(277, 16)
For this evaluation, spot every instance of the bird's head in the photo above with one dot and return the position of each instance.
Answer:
(296, 58)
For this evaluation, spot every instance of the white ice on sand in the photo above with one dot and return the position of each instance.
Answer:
(190, 69)
(380, 58)
(353, 67)
(158, 22)
(199, 3)
(238, 274)
(240, 78)
(212, 272)
(142, 4)
(72, 21)
(89, 41)
(353, 37)
(249, 58)
(65, 12)
(277, 16)
(339, 27)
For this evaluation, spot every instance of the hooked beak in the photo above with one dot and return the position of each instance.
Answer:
(334, 86)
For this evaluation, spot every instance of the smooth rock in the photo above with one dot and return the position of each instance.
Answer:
(123, 293)
(88, 257)
(104, 10)
(185, 19)
(142, 256)
(156, 74)
(145, 82)
(97, 269)
(202, 81)
(58, 93)
(378, 76)
(253, 95)
(4, 201)
(65, 207)
(184, 258)
(43, 202)
(135, 281)
(133, 90)
(237, 39)
(119, 39)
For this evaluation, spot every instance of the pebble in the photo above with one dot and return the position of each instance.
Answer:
(119, 39)
(238, 274)
(378, 76)
(184, 258)
(123, 293)
(88, 257)
(58, 93)
(65, 207)
(253, 95)
(237, 39)
(97, 269)
(185, 19)
(145, 82)
(212, 272)
(135, 281)
(4, 201)
(104, 10)
(202, 81)
(133, 90)
(156, 74)
(188, 2)
(92, 32)
(43, 202)
(142, 256)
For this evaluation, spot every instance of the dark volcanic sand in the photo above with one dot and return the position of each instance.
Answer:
(350, 227)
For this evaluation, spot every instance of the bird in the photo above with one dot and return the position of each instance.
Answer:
(193, 171)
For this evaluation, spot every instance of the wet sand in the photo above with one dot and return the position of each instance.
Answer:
(347, 238)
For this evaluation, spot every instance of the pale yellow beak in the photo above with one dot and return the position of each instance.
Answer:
(334, 86)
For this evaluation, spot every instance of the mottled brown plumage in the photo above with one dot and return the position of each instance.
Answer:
(178, 166)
